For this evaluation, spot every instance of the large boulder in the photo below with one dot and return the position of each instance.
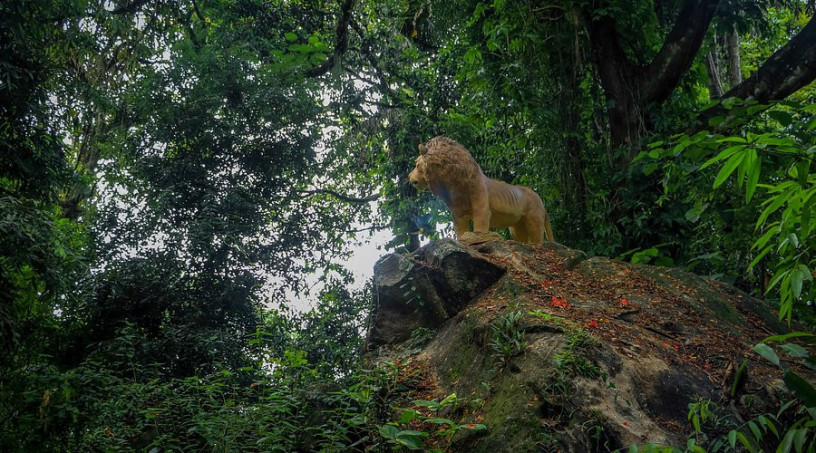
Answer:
(554, 351)
(426, 289)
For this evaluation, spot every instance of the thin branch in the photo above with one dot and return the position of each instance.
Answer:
(198, 13)
(340, 196)
(370, 228)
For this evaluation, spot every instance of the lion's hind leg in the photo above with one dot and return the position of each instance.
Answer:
(519, 232)
(534, 226)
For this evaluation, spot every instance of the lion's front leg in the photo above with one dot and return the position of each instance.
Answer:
(481, 213)
(461, 223)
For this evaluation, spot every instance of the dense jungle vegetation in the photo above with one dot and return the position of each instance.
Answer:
(174, 173)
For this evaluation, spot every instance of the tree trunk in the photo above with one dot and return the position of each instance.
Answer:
(87, 158)
(573, 168)
(734, 62)
(715, 88)
(619, 82)
(413, 235)
(631, 88)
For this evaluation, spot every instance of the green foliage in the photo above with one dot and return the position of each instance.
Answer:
(420, 337)
(119, 403)
(780, 155)
(572, 359)
(790, 428)
(507, 337)
(801, 434)
(442, 427)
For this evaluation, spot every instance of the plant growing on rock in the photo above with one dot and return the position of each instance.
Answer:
(413, 439)
(508, 337)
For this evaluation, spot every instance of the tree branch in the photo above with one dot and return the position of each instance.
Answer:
(789, 69)
(786, 71)
(198, 13)
(612, 63)
(130, 8)
(342, 42)
(340, 196)
(662, 75)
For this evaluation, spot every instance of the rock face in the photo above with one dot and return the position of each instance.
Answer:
(426, 289)
(554, 351)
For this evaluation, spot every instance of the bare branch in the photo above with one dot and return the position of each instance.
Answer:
(340, 196)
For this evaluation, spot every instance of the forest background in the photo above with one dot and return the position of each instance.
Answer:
(172, 172)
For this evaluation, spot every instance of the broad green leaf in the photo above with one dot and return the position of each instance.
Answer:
(732, 438)
(799, 439)
(756, 108)
(474, 427)
(389, 431)
(786, 444)
(744, 441)
(755, 431)
(728, 169)
(788, 336)
(765, 351)
(411, 439)
(772, 229)
(775, 203)
(724, 154)
(802, 389)
(794, 350)
(440, 421)
(807, 214)
(407, 416)
(781, 275)
(764, 421)
(732, 140)
(799, 275)
(753, 176)
(784, 118)
(448, 400)
(759, 257)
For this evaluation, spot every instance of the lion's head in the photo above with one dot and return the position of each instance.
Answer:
(443, 161)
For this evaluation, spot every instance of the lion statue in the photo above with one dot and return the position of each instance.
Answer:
(450, 172)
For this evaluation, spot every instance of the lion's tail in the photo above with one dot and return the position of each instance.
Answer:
(548, 234)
